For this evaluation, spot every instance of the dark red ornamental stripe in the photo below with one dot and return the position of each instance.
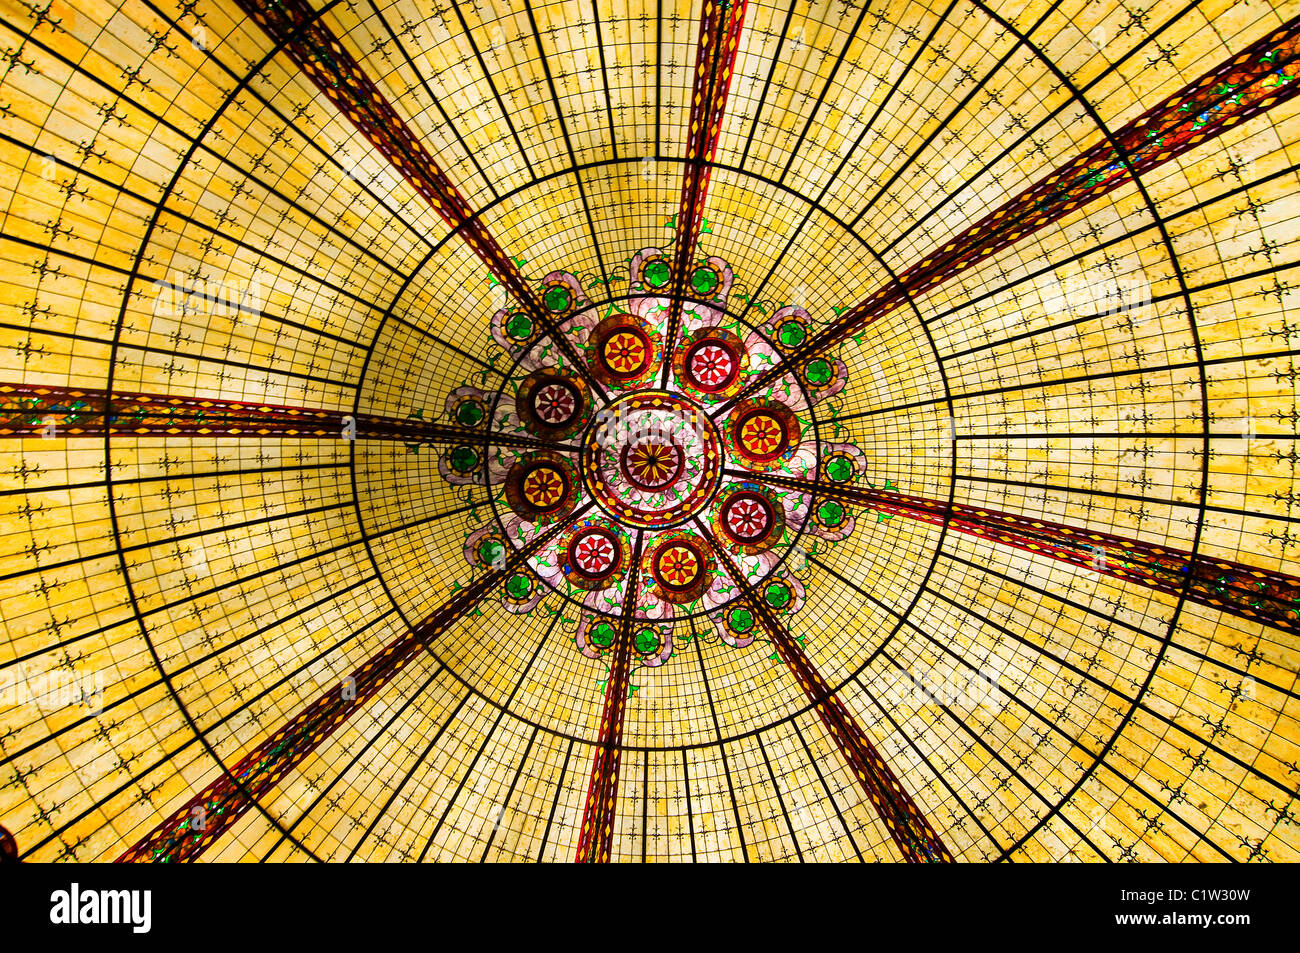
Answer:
(715, 60)
(1255, 80)
(33, 410)
(295, 26)
(192, 828)
(321, 56)
(907, 825)
(596, 837)
(720, 26)
(1266, 596)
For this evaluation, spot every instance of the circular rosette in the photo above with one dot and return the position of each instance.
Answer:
(822, 377)
(708, 280)
(651, 459)
(679, 568)
(748, 518)
(842, 463)
(468, 406)
(561, 294)
(596, 635)
(623, 351)
(652, 272)
(541, 487)
(831, 520)
(763, 434)
(790, 329)
(553, 404)
(515, 330)
(487, 548)
(737, 625)
(521, 592)
(782, 594)
(463, 464)
(711, 362)
(652, 640)
(594, 555)
(653, 464)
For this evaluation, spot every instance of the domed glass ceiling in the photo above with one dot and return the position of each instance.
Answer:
(649, 431)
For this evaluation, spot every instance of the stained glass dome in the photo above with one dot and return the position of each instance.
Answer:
(646, 431)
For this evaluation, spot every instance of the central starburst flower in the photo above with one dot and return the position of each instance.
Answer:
(652, 459)
(653, 464)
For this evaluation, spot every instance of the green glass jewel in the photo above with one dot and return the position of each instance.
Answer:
(558, 298)
(469, 414)
(839, 469)
(777, 595)
(740, 620)
(519, 586)
(830, 513)
(791, 334)
(704, 281)
(602, 635)
(647, 641)
(464, 459)
(491, 552)
(657, 274)
(519, 326)
(818, 372)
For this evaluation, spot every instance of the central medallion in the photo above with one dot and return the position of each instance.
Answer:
(653, 478)
(653, 464)
(652, 459)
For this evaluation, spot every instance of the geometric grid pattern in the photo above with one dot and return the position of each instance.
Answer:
(186, 214)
